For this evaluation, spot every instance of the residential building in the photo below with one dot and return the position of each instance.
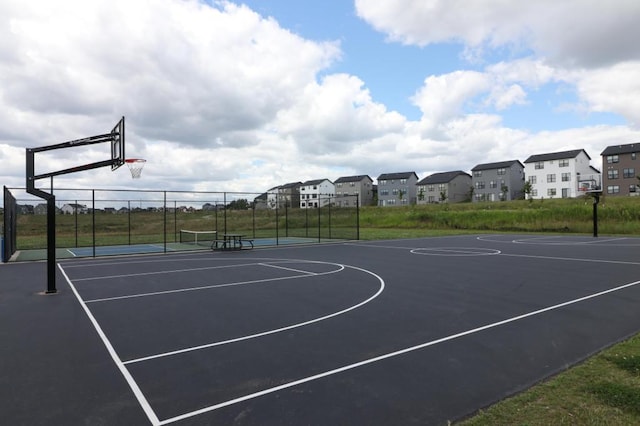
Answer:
(40, 208)
(445, 187)
(349, 186)
(72, 208)
(317, 193)
(620, 168)
(502, 181)
(272, 197)
(289, 195)
(558, 174)
(396, 189)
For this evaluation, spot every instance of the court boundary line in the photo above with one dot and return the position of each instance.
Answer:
(133, 385)
(391, 355)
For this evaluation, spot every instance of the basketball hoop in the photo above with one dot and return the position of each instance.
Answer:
(135, 166)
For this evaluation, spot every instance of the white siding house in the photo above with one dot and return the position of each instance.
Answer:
(316, 193)
(556, 175)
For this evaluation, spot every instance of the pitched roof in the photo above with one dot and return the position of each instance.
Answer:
(401, 175)
(444, 177)
(621, 149)
(499, 165)
(556, 156)
(352, 178)
(290, 185)
(314, 182)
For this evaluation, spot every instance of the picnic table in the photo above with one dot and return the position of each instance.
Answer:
(231, 242)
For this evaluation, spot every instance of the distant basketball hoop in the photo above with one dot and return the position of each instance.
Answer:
(135, 166)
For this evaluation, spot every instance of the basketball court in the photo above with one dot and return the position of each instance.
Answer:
(420, 331)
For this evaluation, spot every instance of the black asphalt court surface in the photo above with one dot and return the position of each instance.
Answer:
(415, 331)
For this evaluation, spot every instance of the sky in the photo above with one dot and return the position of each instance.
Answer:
(245, 96)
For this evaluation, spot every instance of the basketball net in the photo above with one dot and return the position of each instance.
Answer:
(135, 166)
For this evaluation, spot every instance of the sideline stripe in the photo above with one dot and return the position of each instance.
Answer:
(142, 400)
(572, 259)
(389, 355)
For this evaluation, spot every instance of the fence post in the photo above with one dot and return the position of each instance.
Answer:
(93, 220)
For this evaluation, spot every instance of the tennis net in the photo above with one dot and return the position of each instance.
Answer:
(197, 238)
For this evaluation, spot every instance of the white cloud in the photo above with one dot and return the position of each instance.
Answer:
(182, 71)
(586, 33)
(330, 116)
(615, 89)
(220, 98)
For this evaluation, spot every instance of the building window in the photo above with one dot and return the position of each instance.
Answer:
(539, 165)
(612, 159)
(383, 182)
(532, 180)
(493, 184)
(551, 178)
(384, 192)
(403, 181)
(442, 187)
(563, 163)
(551, 192)
(565, 192)
(612, 174)
(394, 191)
(628, 173)
(534, 192)
(431, 188)
(633, 188)
(613, 189)
(480, 185)
(566, 177)
(633, 155)
(477, 173)
(432, 199)
(502, 171)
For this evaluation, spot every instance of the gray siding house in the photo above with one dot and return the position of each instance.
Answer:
(620, 166)
(445, 187)
(289, 195)
(502, 181)
(361, 185)
(397, 189)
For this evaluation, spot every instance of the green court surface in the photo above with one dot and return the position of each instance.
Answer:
(115, 250)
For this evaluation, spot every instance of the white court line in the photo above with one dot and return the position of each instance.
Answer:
(597, 241)
(381, 246)
(142, 400)
(573, 259)
(207, 287)
(277, 330)
(172, 271)
(294, 270)
(390, 355)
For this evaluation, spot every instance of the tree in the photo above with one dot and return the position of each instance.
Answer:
(504, 190)
(527, 189)
(443, 196)
(421, 194)
(241, 204)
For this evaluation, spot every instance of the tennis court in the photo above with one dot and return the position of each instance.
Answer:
(416, 331)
